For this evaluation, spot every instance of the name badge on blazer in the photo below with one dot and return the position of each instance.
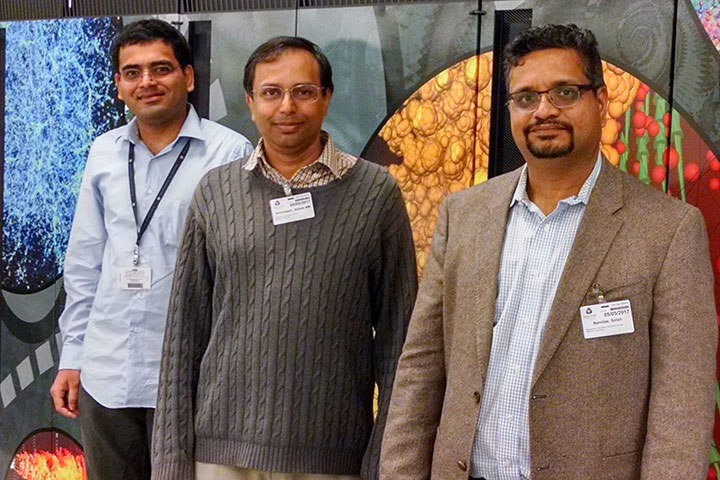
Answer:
(607, 318)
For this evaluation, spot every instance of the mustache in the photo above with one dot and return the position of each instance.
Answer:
(548, 123)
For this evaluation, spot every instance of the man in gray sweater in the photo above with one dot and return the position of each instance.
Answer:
(293, 289)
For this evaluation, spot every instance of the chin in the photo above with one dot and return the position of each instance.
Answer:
(550, 151)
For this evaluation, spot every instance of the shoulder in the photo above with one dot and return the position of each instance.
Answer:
(500, 188)
(650, 204)
(110, 141)
(214, 132)
(107, 148)
(374, 173)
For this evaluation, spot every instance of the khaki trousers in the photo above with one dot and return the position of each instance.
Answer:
(211, 471)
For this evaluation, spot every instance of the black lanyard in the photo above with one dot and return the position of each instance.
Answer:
(156, 202)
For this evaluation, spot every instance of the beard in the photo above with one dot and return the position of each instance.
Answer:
(554, 148)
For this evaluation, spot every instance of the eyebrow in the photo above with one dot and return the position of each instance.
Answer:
(136, 66)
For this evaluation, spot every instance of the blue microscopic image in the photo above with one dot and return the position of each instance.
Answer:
(58, 98)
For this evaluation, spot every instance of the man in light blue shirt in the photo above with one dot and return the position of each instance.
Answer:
(131, 209)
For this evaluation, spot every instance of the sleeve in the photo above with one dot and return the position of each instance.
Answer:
(393, 299)
(417, 399)
(186, 336)
(82, 267)
(683, 340)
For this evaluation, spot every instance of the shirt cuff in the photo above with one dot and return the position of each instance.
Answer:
(71, 357)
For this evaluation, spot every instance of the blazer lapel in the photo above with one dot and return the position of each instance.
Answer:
(482, 268)
(595, 234)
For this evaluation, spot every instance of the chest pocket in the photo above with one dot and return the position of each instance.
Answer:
(172, 223)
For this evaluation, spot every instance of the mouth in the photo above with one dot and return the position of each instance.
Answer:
(288, 127)
(150, 97)
(546, 130)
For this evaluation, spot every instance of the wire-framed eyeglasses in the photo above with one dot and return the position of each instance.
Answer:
(562, 96)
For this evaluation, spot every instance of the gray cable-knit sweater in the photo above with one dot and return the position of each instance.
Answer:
(269, 357)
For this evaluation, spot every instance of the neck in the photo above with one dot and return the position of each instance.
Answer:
(287, 162)
(552, 180)
(158, 136)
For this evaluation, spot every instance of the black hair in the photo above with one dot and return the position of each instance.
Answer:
(270, 50)
(558, 36)
(147, 31)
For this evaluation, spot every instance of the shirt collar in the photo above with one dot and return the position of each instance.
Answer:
(583, 196)
(192, 128)
(329, 157)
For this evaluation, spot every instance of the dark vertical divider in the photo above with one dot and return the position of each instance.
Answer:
(504, 154)
(199, 37)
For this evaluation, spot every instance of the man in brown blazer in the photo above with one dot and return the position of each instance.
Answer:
(565, 325)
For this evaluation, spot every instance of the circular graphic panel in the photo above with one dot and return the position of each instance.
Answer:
(58, 84)
(48, 455)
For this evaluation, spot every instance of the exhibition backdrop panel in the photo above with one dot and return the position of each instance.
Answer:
(414, 91)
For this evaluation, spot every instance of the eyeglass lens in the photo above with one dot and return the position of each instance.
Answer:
(561, 97)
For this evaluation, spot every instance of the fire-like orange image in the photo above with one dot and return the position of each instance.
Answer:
(48, 455)
(61, 465)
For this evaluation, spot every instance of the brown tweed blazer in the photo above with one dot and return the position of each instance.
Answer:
(634, 406)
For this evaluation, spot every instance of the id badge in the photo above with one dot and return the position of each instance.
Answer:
(606, 319)
(292, 208)
(136, 278)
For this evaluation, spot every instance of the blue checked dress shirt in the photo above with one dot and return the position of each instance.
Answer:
(534, 253)
(115, 336)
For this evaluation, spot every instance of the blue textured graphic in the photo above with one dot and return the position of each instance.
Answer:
(58, 78)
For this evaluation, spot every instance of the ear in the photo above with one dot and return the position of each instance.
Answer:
(189, 73)
(249, 101)
(326, 100)
(602, 98)
(117, 85)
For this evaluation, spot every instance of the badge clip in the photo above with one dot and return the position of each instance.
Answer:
(598, 294)
(136, 255)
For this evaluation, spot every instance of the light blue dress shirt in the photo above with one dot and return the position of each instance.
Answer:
(533, 258)
(115, 336)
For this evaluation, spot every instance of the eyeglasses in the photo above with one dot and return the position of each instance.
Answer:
(562, 96)
(156, 72)
(299, 93)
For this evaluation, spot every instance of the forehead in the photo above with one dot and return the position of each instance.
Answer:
(146, 52)
(547, 68)
(291, 67)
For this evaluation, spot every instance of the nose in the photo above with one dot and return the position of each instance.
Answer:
(546, 108)
(146, 78)
(287, 103)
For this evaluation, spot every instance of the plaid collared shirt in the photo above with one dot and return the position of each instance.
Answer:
(533, 258)
(330, 165)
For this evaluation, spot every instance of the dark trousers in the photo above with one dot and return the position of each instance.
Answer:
(116, 440)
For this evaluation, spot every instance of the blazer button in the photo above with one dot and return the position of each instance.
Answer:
(476, 396)
(462, 465)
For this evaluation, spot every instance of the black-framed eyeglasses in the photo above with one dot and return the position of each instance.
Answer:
(299, 93)
(562, 96)
(156, 72)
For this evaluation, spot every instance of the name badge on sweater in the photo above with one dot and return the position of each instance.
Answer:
(137, 278)
(292, 208)
(606, 319)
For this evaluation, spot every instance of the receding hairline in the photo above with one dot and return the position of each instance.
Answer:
(276, 54)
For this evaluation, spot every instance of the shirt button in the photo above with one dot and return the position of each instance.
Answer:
(510, 418)
(149, 191)
(546, 228)
(138, 295)
(516, 368)
(507, 463)
(462, 465)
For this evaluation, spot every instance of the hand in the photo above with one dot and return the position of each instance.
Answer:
(64, 392)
